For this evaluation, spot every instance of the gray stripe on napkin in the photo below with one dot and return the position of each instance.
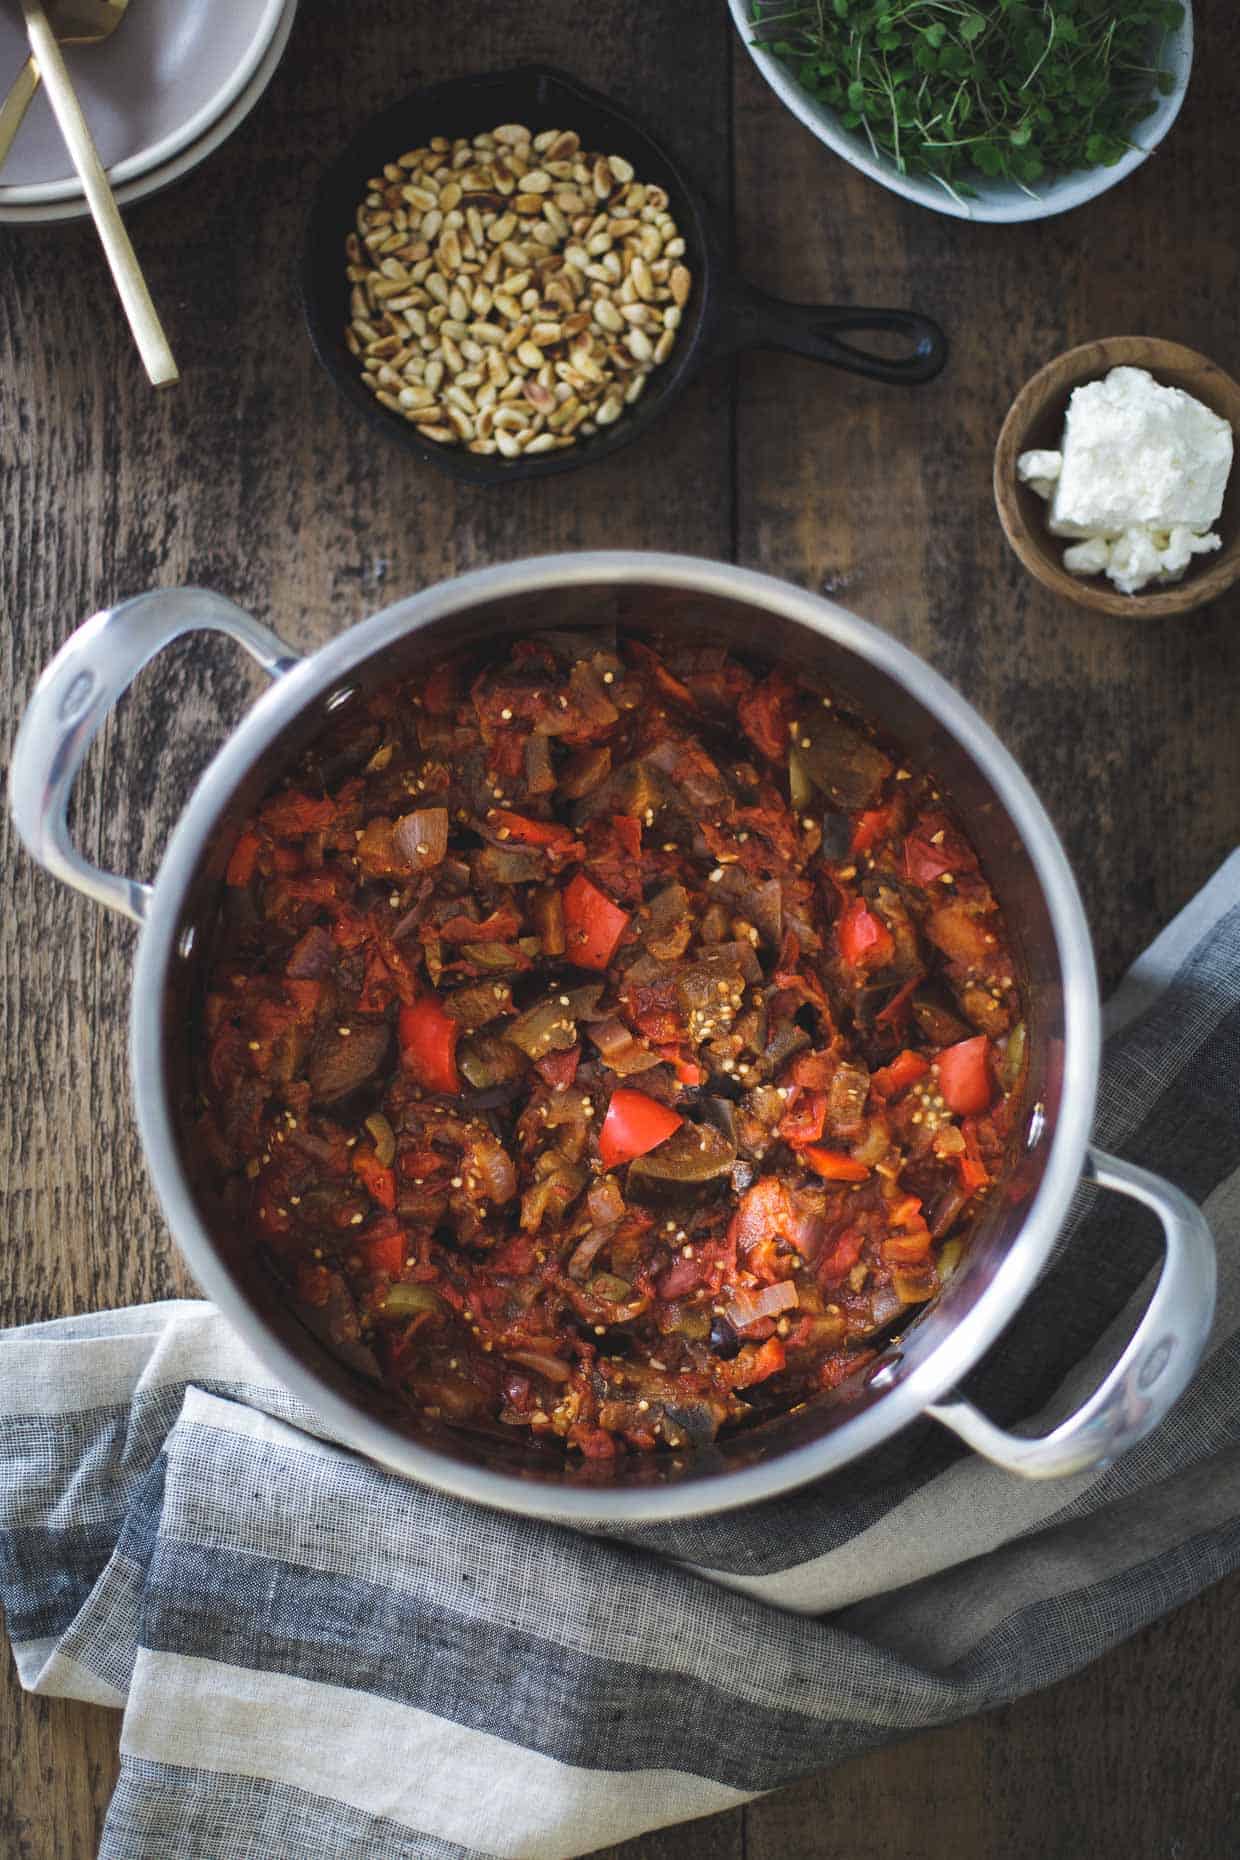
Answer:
(159, 1812)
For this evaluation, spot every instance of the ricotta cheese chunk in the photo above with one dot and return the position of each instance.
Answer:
(1138, 482)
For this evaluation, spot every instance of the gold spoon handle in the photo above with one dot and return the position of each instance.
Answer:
(13, 109)
(126, 272)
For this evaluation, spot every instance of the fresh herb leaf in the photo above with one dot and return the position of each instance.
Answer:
(1014, 90)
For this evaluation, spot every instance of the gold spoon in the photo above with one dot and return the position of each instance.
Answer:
(75, 22)
(126, 271)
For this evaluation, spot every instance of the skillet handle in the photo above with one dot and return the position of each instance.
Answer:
(821, 331)
(1153, 1371)
(73, 699)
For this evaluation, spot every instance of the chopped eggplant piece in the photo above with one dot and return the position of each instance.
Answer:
(845, 766)
(347, 1057)
(691, 1167)
(550, 1026)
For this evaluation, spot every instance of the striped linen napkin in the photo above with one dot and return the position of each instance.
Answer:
(315, 1658)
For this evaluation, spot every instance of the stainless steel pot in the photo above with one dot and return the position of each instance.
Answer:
(1023, 859)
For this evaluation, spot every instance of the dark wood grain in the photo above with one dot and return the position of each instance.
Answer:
(250, 478)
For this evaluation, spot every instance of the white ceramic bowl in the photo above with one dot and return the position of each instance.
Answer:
(999, 201)
(153, 179)
(153, 89)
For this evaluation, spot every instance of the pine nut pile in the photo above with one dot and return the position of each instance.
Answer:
(511, 294)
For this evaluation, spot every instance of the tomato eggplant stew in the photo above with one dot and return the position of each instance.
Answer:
(607, 1039)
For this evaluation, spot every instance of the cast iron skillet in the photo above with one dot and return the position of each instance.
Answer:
(724, 312)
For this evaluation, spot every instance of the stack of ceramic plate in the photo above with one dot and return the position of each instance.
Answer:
(170, 84)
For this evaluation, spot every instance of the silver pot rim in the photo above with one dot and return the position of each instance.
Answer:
(910, 1394)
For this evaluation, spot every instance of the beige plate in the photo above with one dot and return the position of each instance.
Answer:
(1036, 419)
(162, 176)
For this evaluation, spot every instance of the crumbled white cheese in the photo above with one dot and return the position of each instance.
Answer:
(1138, 557)
(1140, 479)
(1039, 470)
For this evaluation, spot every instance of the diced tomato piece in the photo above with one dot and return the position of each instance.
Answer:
(294, 813)
(633, 1125)
(864, 939)
(286, 859)
(594, 1442)
(934, 847)
(557, 839)
(814, 1070)
(500, 927)
(314, 1284)
(906, 1213)
(842, 1257)
(964, 1076)
(872, 827)
(687, 1071)
(306, 996)
(441, 692)
(670, 686)
(418, 1164)
(627, 829)
(272, 1217)
(972, 1169)
(386, 1252)
(593, 923)
(515, 1255)
(804, 1122)
(897, 1009)
(756, 1365)
(834, 1165)
(428, 1039)
(905, 1070)
(380, 1183)
(243, 861)
(907, 1248)
(765, 715)
(924, 862)
(683, 1275)
(973, 1175)
(559, 1069)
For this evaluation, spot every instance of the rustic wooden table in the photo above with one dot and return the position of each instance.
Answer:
(249, 478)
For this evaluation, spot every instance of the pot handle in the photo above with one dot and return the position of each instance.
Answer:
(754, 320)
(1153, 1371)
(72, 700)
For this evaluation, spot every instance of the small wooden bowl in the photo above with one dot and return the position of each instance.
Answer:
(1035, 420)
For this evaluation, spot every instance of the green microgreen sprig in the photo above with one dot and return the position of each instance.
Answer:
(1013, 90)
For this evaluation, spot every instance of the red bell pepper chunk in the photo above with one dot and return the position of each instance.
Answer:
(834, 1165)
(634, 1124)
(428, 1039)
(865, 941)
(380, 1183)
(243, 861)
(536, 832)
(593, 924)
(964, 1076)
(905, 1070)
